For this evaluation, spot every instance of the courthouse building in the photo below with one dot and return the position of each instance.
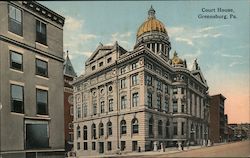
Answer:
(139, 100)
(31, 81)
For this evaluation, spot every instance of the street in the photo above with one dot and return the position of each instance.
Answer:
(237, 149)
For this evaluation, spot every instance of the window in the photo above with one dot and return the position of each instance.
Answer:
(182, 128)
(37, 136)
(94, 107)
(78, 145)
(16, 61)
(17, 104)
(110, 88)
(102, 107)
(135, 126)
(101, 130)
(78, 131)
(182, 90)
(109, 128)
(42, 102)
(167, 129)
(134, 145)
(78, 112)
(85, 133)
(159, 102)
(150, 105)
(41, 33)
(100, 64)
(93, 146)
(41, 68)
(123, 83)
(109, 146)
(148, 45)
(150, 66)
(149, 80)
(71, 111)
(159, 127)
(109, 60)
(85, 145)
(134, 80)
(159, 85)
(166, 89)
(123, 145)
(85, 111)
(123, 70)
(111, 105)
(175, 128)
(150, 127)
(15, 20)
(70, 125)
(174, 90)
(135, 99)
(182, 108)
(166, 104)
(135, 65)
(175, 106)
(123, 127)
(123, 102)
(93, 131)
(93, 67)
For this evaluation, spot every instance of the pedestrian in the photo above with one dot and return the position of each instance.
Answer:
(182, 146)
(187, 144)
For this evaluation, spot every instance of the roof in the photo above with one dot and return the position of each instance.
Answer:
(68, 69)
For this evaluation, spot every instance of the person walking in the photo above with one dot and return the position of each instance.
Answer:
(182, 146)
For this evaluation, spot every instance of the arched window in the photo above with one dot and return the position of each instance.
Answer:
(109, 128)
(150, 126)
(135, 126)
(123, 127)
(160, 127)
(85, 133)
(93, 131)
(101, 130)
(78, 130)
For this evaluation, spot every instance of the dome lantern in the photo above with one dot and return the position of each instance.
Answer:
(151, 12)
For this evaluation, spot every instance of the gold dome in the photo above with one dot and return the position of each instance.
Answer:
(176, 60)
(152, 24)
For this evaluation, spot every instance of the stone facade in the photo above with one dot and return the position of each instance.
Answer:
(31, 81)
(139, 100)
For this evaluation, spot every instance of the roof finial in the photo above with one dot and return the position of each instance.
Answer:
(151, 12)
(67, 52)
(175, 53)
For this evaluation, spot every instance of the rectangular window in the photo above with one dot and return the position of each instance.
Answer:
(182, 108)
(102, 107)
(123, 70)
(109, 146)
(41, 68)
(85, 145)
(94, 108)
(16, 61)
(123, 102)
(85, 111)
(159, 85)
(134, 80)
(15, 20)
(78, 145)
(159, 107)
(78, 112)
(150, 105)
(175, 128)
(150, 66)
(135, 65)
(134, 145)
(166, 104)
(166, 89)
(42, 102)
(37, 136)
(111, 104)
(182, 128)
(182, 90)
(41, 32)
(123, 145)
(93, 146)
(175, 106)
(149, 80)
(17, 104)
(123, 83)
(135, 99)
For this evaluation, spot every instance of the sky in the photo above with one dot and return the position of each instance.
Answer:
(221, 46)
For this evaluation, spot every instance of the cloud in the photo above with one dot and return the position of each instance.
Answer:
(235, 63)
(209, 28)
(231, 56)
(122, 38)
(175, 30)
(72, 24)
(85, 37)
(186, 40)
